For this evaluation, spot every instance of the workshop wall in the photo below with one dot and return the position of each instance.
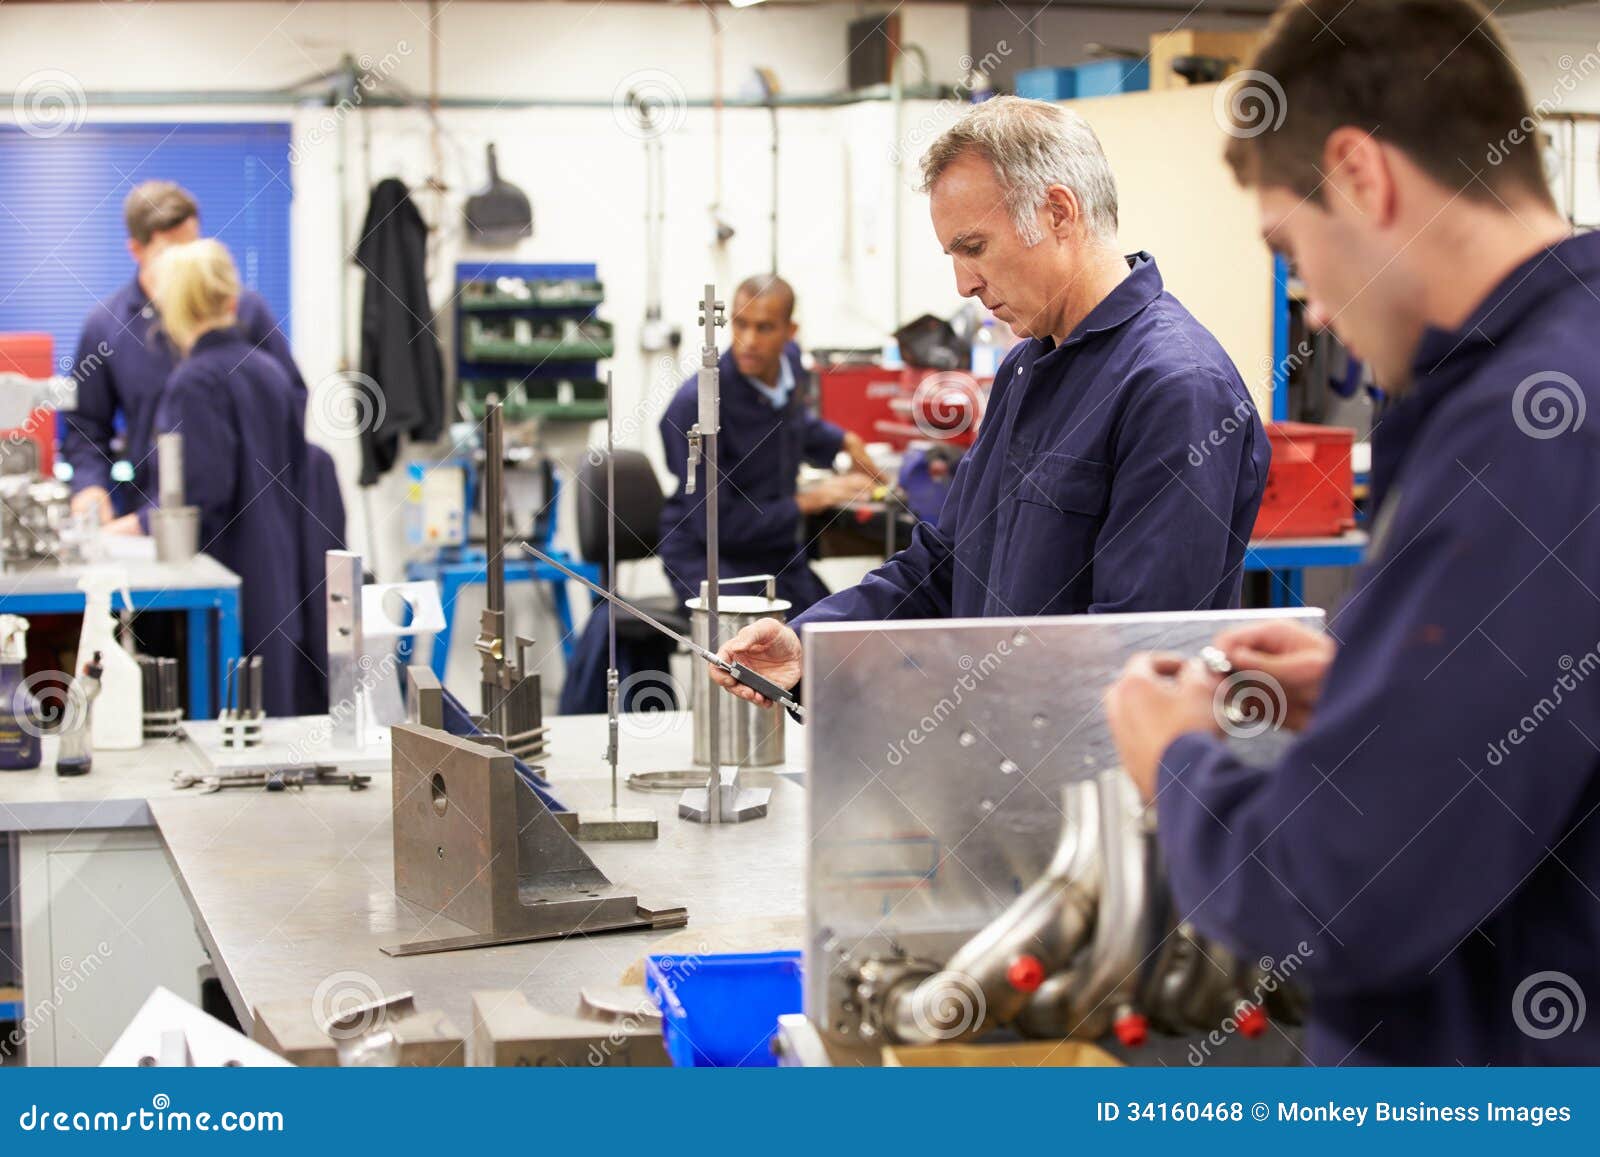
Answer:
(846, 172)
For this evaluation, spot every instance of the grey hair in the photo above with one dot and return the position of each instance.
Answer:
(1032, 145)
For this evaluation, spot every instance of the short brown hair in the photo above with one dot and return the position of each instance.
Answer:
(156, 206)
(1430, 77)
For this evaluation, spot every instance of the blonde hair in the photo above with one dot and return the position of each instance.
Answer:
(196, 290)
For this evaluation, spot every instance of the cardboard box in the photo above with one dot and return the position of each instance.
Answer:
(1165, 47)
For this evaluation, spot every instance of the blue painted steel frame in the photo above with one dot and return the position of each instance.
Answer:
(473, 569)
(1280, 339)
(198, 603)
(1287, 562)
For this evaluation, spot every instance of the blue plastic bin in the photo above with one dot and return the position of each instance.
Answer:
(1104, 77)
(722, 1010)
(1047, 83)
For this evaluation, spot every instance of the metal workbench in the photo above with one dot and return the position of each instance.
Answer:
(201, 588)
(294, 893)
(100, 918)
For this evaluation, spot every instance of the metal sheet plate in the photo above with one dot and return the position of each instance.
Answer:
(936, 755)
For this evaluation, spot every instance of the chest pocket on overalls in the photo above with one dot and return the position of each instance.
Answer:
(1061, 504)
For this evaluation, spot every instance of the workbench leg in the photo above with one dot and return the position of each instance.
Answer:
(230, 637)
(449, 588)
(1288, 587)
(199, 623)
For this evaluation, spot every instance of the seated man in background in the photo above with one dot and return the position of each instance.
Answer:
(1428, 845)
(127, 379)
(247, 467)
(767, 432)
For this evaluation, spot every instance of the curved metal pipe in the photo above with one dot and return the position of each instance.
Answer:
(990, 979)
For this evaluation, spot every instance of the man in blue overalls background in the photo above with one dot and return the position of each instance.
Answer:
(768, 430)
(125, 360)
(1428, 845)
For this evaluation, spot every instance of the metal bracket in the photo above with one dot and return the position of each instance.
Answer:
(474, 844)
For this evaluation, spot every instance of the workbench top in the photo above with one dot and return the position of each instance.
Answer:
(113, 795)
(202, 572)
(293, 893)
(116, 793)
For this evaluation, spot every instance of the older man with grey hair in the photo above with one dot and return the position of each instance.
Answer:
(1121, 461)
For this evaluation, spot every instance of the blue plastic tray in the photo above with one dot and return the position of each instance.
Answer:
(722, 1010)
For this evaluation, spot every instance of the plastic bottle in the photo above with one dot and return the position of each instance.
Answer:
(118, 720)
(19, 714)
(986, 351)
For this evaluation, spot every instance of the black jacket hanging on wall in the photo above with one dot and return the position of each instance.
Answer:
(399, 352)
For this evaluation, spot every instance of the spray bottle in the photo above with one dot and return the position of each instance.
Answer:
(19, 714)
(118, 718)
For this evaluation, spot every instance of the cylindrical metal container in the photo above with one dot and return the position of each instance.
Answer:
(751, 736)
(176, 530)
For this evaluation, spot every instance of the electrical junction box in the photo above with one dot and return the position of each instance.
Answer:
(436, 505)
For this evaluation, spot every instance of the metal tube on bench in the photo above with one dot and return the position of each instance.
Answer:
(493, 503)
(169, 465)
(612, 706)
(709, 419)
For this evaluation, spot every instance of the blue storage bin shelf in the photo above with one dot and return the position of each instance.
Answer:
(1047, 83)
(1105, 77)
(722, 1010)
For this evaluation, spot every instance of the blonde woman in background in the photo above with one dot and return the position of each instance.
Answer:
(249, 470)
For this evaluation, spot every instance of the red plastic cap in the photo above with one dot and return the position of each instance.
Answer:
(1026, 974)
(1132, 1029)
(1252, 1020)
